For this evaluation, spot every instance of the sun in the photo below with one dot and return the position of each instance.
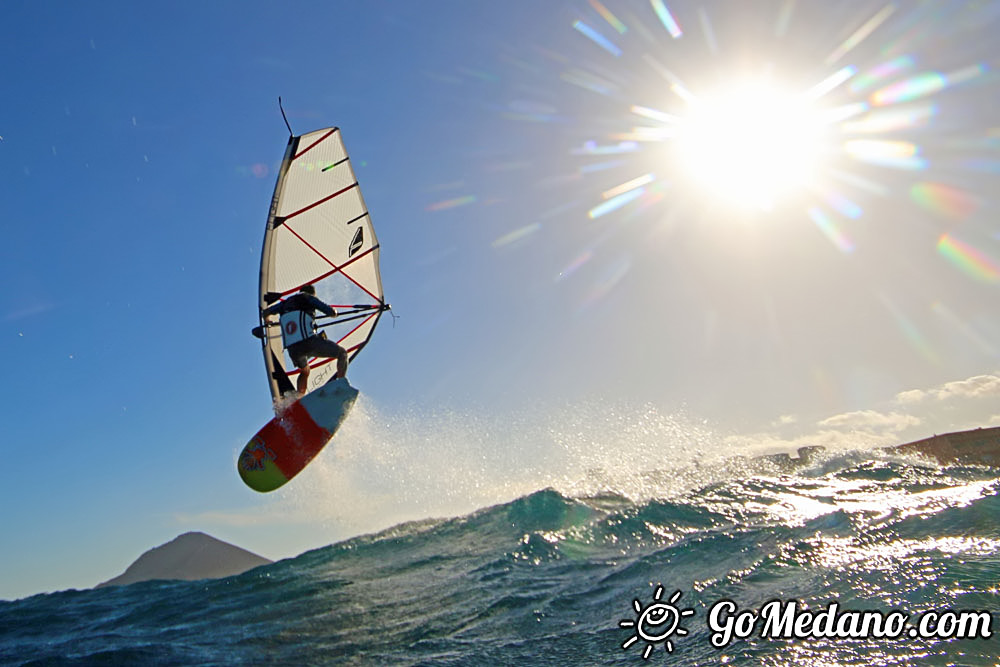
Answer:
(749, 143)
(656, 622)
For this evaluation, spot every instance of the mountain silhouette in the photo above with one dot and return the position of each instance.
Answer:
(189, 556)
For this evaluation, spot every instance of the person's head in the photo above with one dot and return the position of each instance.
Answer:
(308, 289)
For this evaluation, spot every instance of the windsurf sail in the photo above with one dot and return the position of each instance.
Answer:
(319, 233)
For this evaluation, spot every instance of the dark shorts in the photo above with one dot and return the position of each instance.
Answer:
(314, 346)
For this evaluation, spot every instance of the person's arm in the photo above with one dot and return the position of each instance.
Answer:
(258, 331)
(322, 307)
(273, 309)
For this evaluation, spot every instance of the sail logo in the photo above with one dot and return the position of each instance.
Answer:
(656, 622)
(321, 375)
(357, 242)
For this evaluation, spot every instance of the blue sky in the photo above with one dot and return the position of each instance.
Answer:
(568, 299)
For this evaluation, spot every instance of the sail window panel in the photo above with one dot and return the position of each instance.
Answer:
(365, 273)
(351, 337)
(340, 292)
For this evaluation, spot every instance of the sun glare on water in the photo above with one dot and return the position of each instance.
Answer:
(748, 144)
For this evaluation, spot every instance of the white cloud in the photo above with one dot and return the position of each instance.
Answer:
(892, 422)
(759, 444)
(910, 397)
(978, 386)
(951, 406)
(974, 387)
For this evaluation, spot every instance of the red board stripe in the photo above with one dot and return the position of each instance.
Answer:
(303, 439)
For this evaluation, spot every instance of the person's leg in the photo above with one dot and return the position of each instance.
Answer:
(342, 363)
(300, 357)
(321, 347)
(303, 382)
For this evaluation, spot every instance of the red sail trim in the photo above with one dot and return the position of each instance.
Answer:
(334, 270)
(313, 144)
(347, 275)
(285, 219)
(360, 324)
(322, 361)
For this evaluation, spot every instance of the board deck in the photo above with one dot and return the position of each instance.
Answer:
(286, 444)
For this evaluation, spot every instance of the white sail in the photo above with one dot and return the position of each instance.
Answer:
(319, 233)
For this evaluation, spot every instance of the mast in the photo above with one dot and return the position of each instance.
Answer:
(275, 371)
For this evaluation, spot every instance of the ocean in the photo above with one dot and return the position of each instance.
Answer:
(763, 565)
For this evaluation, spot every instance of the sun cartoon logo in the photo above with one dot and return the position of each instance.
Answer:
(656, 622)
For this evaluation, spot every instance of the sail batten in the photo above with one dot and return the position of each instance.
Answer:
(315, 204)
(319, 232)
(318, 141)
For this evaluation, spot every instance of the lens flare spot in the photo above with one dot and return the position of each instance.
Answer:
(897, 154)
(844, 206)
(881, 121)
(831, 231)
(921, 85)
(880, 73)
(653, 114)
(969, 260)
(577, 262)
(452, 203)
(593, 148)
(924, 84)
(597, 38)
(861, 34)
(517, 235)
(609, 17)
(944, 200)
(588, 81)
(599, 166)
(831, 82)
(666, 18)
(614, 203)
(628, 186)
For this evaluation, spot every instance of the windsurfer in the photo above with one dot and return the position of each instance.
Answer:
(298, 333)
